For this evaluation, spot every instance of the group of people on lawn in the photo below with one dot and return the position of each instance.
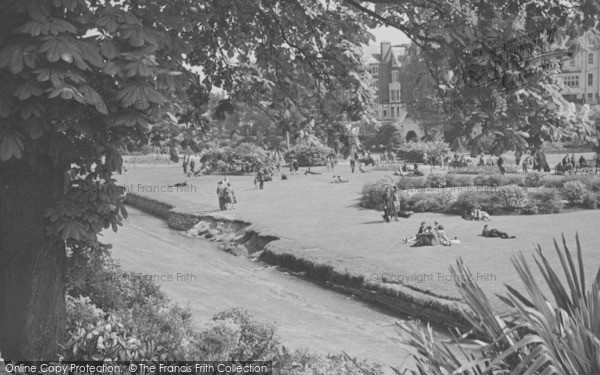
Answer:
(226, 195)
(391, 205)
(436, 235)
(430, 236)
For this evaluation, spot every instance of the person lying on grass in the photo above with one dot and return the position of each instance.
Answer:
(494, 233)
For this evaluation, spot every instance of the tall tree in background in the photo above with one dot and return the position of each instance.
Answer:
(83, 79)
(419, 95)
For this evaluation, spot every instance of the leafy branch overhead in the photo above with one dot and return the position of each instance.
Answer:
(506, 53)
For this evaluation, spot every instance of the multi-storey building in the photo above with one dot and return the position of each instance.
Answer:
(386, 70)
(581, 75)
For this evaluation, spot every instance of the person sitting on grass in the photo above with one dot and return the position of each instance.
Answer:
(341, 180)
(422, 229)
(441, 234)
(494, 233)
(428, 238)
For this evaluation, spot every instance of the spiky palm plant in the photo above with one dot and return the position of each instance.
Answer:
(538, 335)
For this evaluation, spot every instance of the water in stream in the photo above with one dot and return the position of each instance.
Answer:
(195, 272)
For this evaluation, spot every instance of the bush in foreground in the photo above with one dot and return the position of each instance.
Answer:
(539, 335)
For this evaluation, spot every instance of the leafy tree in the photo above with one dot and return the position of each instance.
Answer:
(508, 90)
(86, 79)
(387, 135)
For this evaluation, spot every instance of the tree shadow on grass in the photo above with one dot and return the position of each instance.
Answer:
(374, 222)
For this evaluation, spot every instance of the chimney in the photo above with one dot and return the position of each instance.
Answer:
(385, 48)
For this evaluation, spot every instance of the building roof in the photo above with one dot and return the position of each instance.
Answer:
(393, 56)
(375, 58)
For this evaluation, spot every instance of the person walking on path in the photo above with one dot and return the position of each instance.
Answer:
(296, 166)
(185, 165)
(500, 163)
(395, 202)
(221, 195)
(387, 203)
(260, 178)
(192, 166)
(233, 197)
(228, 195)
(352, 165)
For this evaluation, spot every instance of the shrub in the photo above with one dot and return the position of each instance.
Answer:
(468, 200)
(244, 157)
(554, 183)
(109, 286)
(371, 197)
(300, 362)
(570, 307)
(535, 179)
(485, 169)
(590, 201)
(436, 180)
(487, 180)
(428, 202)
(162, 332)
(453, 180)
(257, 339)
(548, 201)
(531, 208)
(592, 183)
(443, 201)
(413, 151)
(574, 191)
(512, 196)
(308, 156)
(514, 180)
(410, 183)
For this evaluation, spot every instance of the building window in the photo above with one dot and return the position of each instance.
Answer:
(572, 62)
(571, 81)
(590, 98)
(375, 69)
(376, 83)
(590, 79)
(384, 113)
(590, 58)
(395, 76)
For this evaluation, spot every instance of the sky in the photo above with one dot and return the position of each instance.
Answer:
(386, 34)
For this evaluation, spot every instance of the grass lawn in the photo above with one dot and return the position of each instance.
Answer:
(324, 222)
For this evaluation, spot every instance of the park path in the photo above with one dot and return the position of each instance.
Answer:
(196, 273)
(324, 223)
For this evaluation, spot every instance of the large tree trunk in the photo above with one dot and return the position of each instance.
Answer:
(32, 264)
